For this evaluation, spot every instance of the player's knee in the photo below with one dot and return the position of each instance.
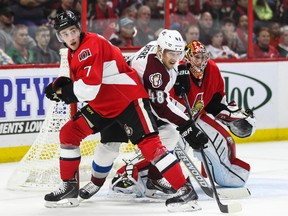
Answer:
(152, 148)
(109, 150)
(68, 136)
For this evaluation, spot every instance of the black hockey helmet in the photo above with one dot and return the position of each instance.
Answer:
(65, 20)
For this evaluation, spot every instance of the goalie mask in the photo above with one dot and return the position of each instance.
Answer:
(196, 57)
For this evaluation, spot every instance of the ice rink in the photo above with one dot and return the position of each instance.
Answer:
(268, 184)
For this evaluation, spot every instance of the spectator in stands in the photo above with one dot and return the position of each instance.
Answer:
(206, 25)
(5, 59)
(64, 5)
(217, 50)
(44, 54)
(262, 47)
(217, 10)
(182, 17)
(30, 13)
(101, 16)
(262, 13)
(144, 32)
(283, 15)
(282, 47)
(241, 9)
(130, 12)
(125, 33)
(6, 28)
(121, 5)
(229, 33)
(157, 14)
(6, 19)
(242, 36)
(192, 33)
(19, 52)
(274, 33)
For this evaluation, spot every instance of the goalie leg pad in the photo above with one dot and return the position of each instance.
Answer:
(227, 170)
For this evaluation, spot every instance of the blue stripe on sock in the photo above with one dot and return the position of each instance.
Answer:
(101, 169)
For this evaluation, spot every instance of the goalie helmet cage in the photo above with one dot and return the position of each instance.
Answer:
(39, 168)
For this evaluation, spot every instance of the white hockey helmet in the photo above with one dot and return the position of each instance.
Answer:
(170, 40)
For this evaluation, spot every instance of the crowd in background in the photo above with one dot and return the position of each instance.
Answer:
(26, 34)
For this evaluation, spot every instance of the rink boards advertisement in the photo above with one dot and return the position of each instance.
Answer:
(259, 86)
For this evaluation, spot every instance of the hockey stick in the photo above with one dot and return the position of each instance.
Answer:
(228, 193)
(230, 208)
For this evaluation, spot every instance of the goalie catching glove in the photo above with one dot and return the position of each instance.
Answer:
(193, 135)
(65, 86)
(241, 123)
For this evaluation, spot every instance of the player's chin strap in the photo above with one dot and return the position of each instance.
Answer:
(230, 208)
(241, 123)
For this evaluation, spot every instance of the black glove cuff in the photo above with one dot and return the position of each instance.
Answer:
(184, 126)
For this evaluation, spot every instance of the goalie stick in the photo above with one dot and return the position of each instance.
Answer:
(229, 208)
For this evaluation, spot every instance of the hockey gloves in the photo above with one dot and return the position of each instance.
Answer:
(183, 81)
(241, 123)
(65, 84)
(50, 94)
(193, 135)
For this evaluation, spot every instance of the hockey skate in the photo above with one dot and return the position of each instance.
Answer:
(127, 185)
(65, 196)
(160, 185)
(88, 191)
(185, 199)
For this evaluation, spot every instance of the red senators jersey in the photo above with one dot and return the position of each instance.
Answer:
(209, 90)
(102, 77)
(158, 81)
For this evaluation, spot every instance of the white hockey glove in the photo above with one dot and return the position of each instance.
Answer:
(241, 123)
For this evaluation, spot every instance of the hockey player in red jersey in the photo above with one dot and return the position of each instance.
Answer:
(114, 93)
(156, 64)
(209, 107)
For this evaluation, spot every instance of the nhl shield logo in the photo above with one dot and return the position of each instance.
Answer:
(84, 54)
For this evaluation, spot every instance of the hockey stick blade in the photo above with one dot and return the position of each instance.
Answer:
(233, 193)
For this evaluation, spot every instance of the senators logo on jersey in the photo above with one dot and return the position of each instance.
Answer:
(84, 54)
(156, 80)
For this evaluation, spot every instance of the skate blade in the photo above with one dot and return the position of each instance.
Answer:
(157, 194)
(184, 207)
(65, 203)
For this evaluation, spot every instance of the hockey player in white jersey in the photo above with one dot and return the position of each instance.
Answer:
(208, 104)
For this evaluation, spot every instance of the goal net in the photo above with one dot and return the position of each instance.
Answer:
(39, 168)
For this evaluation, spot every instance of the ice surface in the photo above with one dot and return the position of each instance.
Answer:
(268, 184)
